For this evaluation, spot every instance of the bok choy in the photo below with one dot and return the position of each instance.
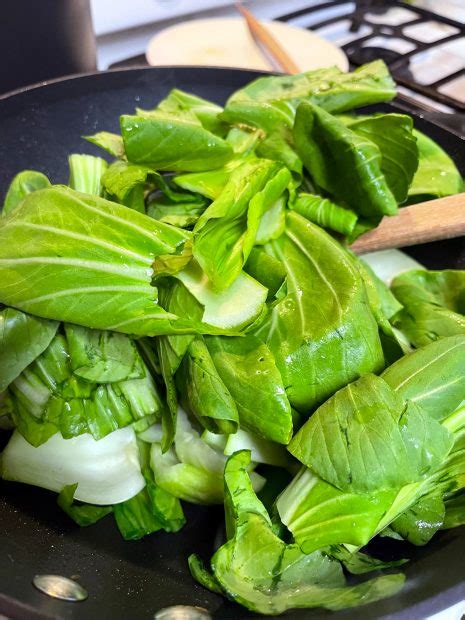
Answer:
(184, 322)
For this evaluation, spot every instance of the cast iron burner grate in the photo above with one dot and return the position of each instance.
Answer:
(401, 34)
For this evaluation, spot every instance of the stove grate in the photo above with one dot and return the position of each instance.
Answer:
(425, 51)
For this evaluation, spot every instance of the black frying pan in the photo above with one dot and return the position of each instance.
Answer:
(39, 127)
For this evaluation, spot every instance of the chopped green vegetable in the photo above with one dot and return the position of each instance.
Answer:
(82, 514)
(393, 135)
(24, 183)
(323, 395)
(433, 304)
(266, 575)
(342, 162)
(169, 142)
(110, 142)
(23, 337)
(204, 393)
(62, 462)
(325, 213)
(331, 88)
(437, 175)
(85, 173)
(262, 404)
(226, 232)
(323, 316)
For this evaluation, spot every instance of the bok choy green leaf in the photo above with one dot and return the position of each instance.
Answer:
(168, 142)
(22, 338)
(346, 164)
(266, 575)
(24, 183)
(433, 305)
(65, 269)
(226, 232)
(330, 88)
(323, 316)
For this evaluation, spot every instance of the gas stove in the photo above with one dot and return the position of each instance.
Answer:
(425, 51)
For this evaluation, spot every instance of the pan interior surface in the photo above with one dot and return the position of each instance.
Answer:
(39, 127)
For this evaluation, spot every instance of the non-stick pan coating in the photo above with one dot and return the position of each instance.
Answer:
(39, 127)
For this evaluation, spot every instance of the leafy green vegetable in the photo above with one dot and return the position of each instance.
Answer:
(324, 316)
(437, 175)
(275, 119)
(273, 222)
(262, 404)
(211, 183)
(386, 302)
(182, 104)
(150, 510)
(65, 271)
(342, 162)
(110, 142)
(393, 135)
(260, 571)
(319, 514)
(168, 142)
(384, 307)
(225, 233)
(85, 173)
(235, 307)
(455, 512)
(201, 574)
(191, 470)
(171, 350)
(432, 376)
(204, 393)
(433, 304)
(330, 88)
(82, 514)
(122, 179)
(183, 215)
(49, 396)
(24, 183)
(198, 485)
(22, 338)
(135, 518)
(360, 563)
(261, 450)
(266, 269)
(6, 410)
(325, 213)
(419, 523)
(101, 356)
(366, 438)
(193, 269)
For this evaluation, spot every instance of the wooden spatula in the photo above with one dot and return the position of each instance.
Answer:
(443, 218)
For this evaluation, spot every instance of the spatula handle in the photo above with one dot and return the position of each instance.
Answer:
(443, 218)
(265, 38)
